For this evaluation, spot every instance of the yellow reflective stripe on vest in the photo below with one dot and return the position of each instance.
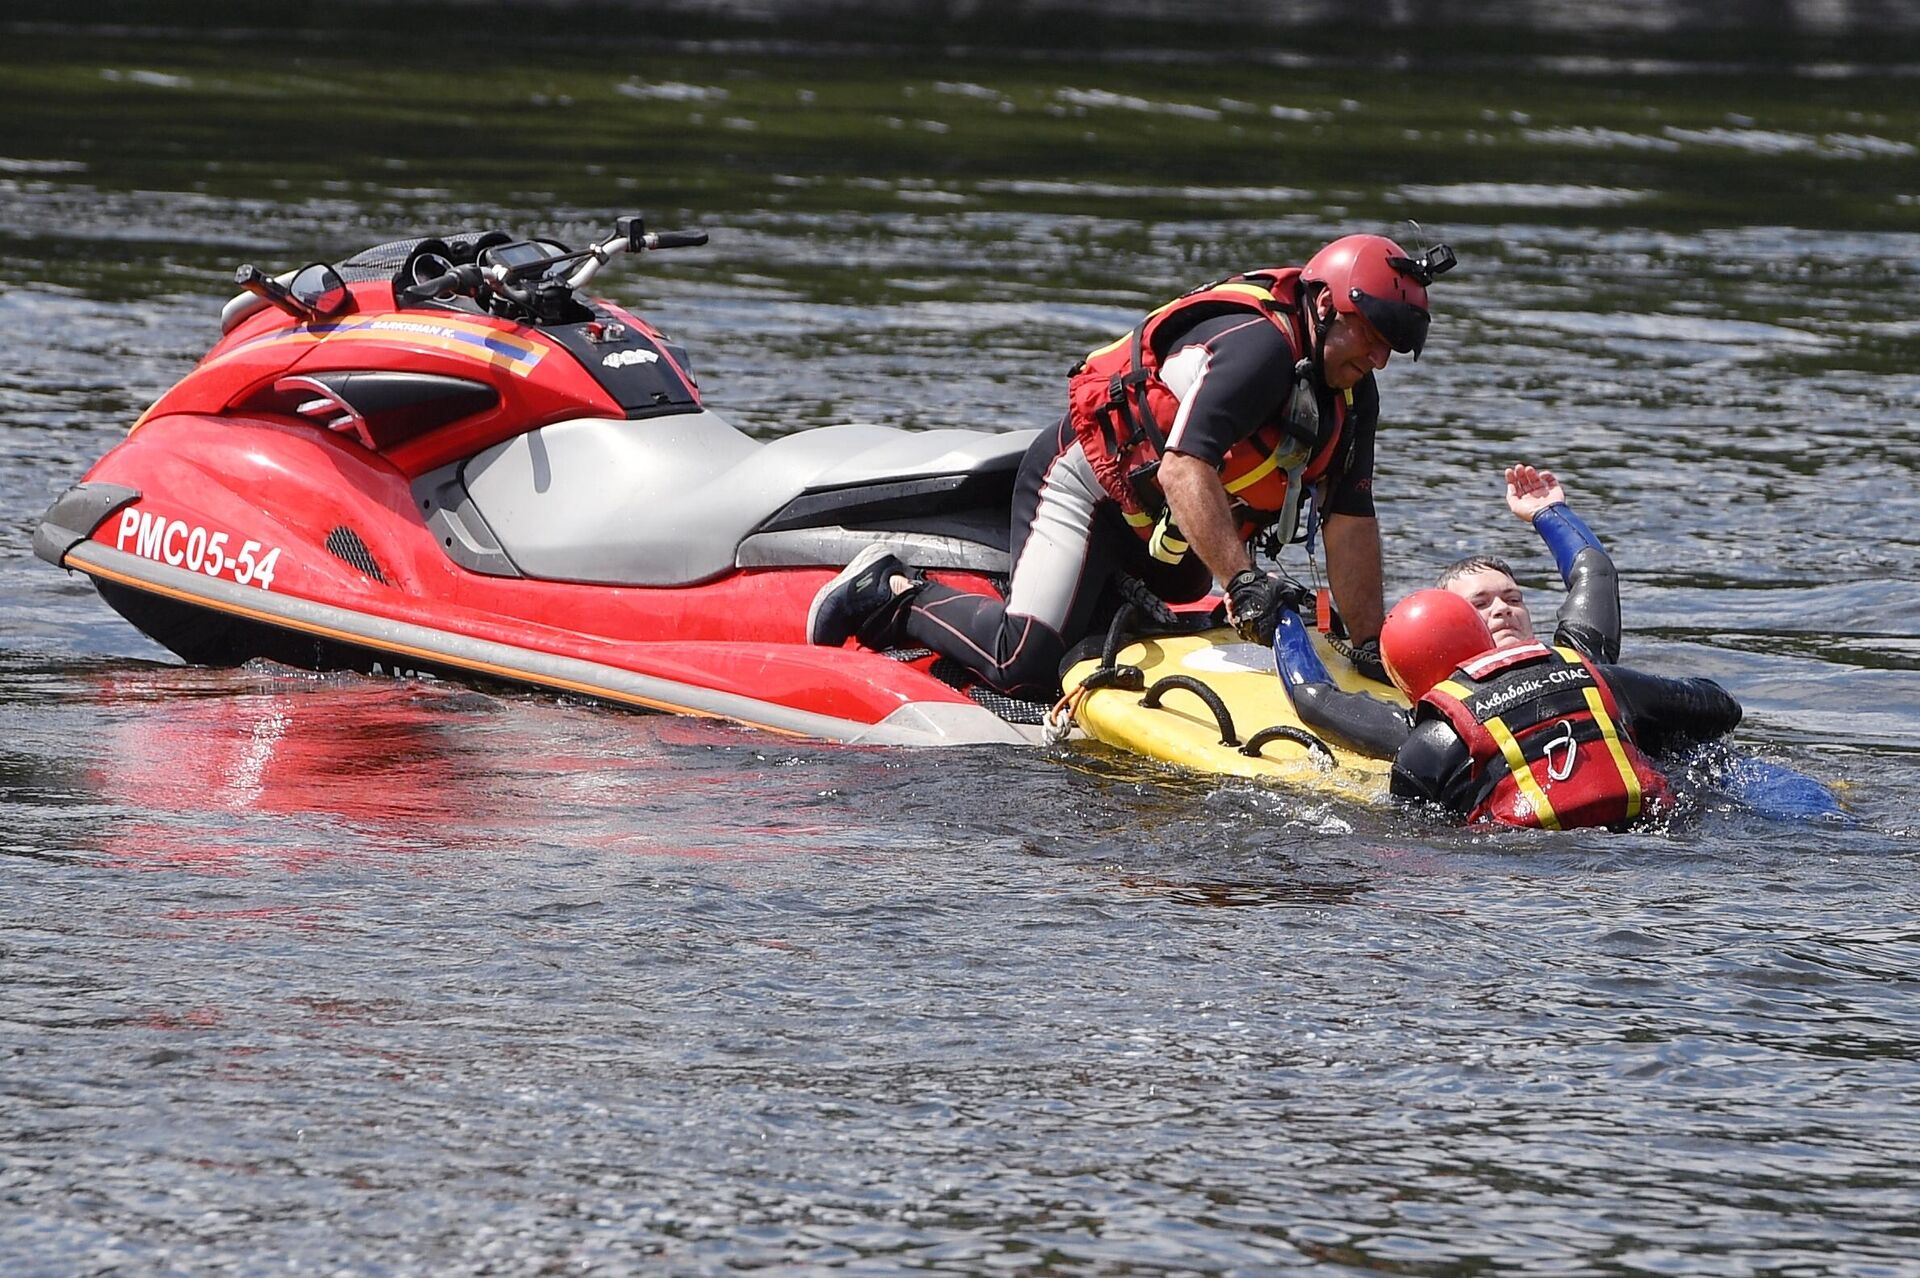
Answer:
(1138, 518)
(1627, 775)
(1277, 459)
(1268, 464)
(1523, 774)
(1251, 290)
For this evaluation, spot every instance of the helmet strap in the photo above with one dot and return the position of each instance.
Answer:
(1318, 313)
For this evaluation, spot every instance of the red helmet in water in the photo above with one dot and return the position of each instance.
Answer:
(1427, 635)
(1373, 276)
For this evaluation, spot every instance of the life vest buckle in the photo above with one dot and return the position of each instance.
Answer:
(1146, 489)
(1302, 418)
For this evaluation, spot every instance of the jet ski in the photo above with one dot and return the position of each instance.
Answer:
(443, 457)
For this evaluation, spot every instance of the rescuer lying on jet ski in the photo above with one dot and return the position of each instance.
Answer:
(1183, 438)
(1505, 728)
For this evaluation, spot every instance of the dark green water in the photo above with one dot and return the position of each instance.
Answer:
(323, 975)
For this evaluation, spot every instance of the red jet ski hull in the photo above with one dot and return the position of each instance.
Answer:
(341, 572)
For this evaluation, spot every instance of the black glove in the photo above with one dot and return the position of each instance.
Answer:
(1294, 595)
(1256, 600)
(1366, 659)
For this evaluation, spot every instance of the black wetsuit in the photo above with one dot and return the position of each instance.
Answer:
(1432, 763)
(1067, 539)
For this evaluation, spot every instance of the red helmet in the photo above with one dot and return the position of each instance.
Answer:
(1427, 635)
(1374, 276)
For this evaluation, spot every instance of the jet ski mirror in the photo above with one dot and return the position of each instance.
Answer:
(311, 293)
(320, 289)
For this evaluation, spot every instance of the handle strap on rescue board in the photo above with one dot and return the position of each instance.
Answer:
(1222, 719)
(1142, 602)
(1285, 732)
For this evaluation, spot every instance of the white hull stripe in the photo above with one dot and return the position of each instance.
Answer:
(934, 723)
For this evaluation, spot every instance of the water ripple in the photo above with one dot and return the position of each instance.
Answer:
(321, 973)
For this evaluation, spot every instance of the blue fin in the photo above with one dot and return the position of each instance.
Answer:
(1774, 790)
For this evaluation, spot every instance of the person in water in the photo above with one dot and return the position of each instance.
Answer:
(1505, 728)
(1200, 428)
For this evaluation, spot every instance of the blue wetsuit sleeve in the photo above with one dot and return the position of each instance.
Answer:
(1360, 723)
(1589, 616)
(1566, 535)
(1293, 652)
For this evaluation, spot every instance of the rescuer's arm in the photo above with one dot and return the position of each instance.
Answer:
(1229, 376)
(1198, 502)
(1353, 571)
(1348, 524)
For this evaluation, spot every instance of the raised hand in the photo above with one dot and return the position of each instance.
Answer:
(1531, 491)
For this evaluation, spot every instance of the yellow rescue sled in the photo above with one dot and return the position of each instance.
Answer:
(1212, 702)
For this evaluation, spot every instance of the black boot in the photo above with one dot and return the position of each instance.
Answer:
(860, 595)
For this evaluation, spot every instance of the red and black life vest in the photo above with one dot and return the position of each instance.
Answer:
(1548, 747)
(1121, 408)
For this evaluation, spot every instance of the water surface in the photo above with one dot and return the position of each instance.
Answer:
(315, 973)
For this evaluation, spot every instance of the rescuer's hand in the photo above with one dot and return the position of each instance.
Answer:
(1253, 599)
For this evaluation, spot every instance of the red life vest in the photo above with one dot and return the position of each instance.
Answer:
(1547, 744)
(1120, 407)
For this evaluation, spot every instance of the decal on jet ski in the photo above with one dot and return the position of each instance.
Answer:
(620, 359)
(490, 346)
(183, 545)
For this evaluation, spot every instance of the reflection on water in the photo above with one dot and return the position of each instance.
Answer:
(312, 973)
(205, 757)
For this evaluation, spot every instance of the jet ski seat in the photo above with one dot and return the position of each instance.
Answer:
(675, 500)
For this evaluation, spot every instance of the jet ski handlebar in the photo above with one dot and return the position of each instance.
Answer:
(460, 279)
(520, 271)
(630, 236)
